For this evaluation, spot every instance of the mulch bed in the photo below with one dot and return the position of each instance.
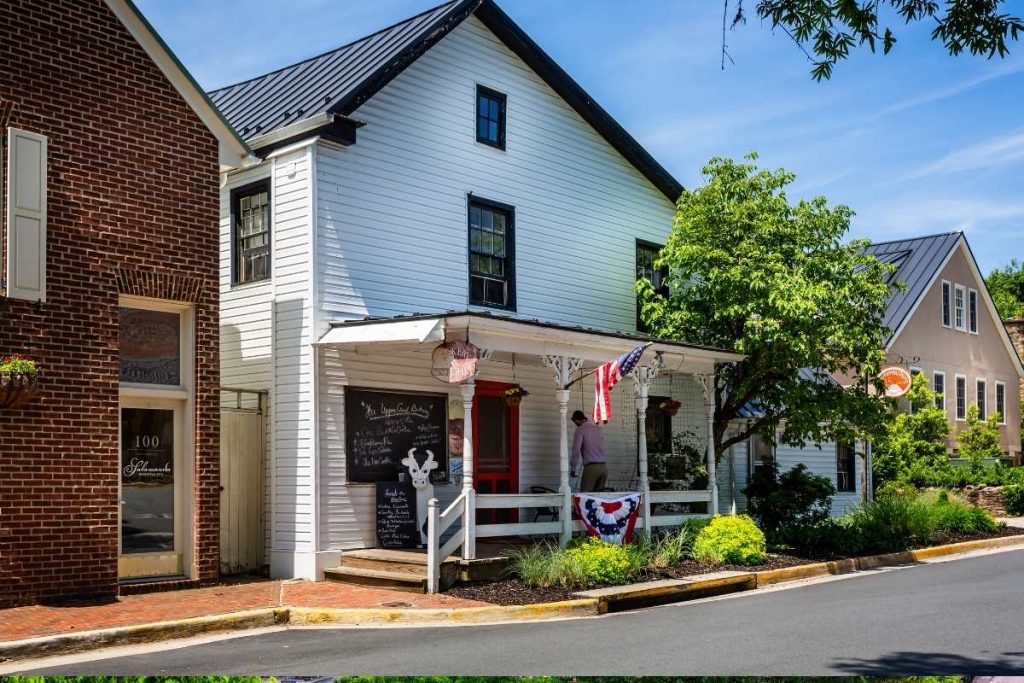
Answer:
(515, 592)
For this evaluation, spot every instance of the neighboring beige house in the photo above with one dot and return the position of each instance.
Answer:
(945, 326)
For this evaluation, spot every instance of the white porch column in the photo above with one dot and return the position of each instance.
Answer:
(563, 368)
(642, 376)
(469, 516)
(707, 382)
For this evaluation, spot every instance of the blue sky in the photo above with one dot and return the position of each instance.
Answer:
(915, 142)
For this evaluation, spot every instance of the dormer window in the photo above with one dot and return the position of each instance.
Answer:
(490, 117)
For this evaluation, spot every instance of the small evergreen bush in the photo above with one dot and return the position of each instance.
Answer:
(733, 540)
(796, 498)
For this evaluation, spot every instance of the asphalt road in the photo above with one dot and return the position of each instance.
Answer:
(964, 616)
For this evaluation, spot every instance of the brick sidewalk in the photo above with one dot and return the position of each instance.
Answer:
(44, 620)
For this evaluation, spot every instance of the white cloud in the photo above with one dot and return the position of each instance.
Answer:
(898, 219)
(997, 151)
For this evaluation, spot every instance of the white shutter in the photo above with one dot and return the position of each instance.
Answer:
(26, 215)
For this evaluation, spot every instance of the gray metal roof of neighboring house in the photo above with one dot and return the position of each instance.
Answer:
(753, 411)
(919, 260)
(339, 81)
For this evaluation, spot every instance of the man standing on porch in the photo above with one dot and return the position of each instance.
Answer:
(588, 446)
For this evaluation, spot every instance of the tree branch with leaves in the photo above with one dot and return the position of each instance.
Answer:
(752, 273)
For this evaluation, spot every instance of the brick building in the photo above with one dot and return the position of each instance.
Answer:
(110, 227)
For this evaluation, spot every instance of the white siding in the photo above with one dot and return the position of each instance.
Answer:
(821, 461)
(245, 324)
(293, 454)
(393, 207)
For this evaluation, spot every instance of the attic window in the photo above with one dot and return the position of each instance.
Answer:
(490, 117)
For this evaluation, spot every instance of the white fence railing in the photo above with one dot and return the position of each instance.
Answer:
(461, 509)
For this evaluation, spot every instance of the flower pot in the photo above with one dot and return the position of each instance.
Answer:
(672, 411)
(513, 400)
(17, 389)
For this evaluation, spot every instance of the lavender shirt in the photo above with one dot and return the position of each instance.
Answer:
(588, 445)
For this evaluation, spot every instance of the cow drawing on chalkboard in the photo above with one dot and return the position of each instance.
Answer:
(424, 489)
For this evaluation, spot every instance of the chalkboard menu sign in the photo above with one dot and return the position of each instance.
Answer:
(397, 525)
(381, 427)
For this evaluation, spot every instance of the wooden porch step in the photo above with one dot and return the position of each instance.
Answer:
(379, 578)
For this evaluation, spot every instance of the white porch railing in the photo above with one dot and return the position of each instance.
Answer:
(461, 509)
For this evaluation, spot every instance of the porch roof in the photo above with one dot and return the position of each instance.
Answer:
(506, 333)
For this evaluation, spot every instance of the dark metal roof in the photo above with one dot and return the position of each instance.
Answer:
(919, 260)
(339, 81)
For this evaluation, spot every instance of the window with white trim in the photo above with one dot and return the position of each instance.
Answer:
(959, 303)
(250, 232)
(939, 387)
(972, 311)
(846, 468)
(762, 453)
(947, 303)
(1001, 402)
(961, 397)
(914, 372)
(981, 387)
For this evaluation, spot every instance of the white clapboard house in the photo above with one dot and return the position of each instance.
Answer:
(443, 181)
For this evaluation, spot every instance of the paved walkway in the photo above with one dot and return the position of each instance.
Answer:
(44, 620)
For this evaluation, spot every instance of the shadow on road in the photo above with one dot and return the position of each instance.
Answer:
(932, 663)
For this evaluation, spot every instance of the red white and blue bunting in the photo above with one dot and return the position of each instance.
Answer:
(610, 519)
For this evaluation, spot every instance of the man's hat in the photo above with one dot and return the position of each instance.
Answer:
(578, 415)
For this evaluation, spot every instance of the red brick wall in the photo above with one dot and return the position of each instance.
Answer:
(133, 208)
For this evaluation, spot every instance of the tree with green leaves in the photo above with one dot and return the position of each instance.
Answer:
(980, 440)
(912, 445)
(752, 273)
(827, 30)
(1007, 288)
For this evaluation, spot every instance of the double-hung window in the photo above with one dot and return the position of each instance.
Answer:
(982, 399)
(1001, 402)
(646, 255)
(490, 117)
(947, 304)
(762, 453)
(961, 397)
(250, 232)
(846, 468)
(491, 255)
(972, 311)
(959, 318)
(939, 387)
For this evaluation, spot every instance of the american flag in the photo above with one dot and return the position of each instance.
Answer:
(607, 376)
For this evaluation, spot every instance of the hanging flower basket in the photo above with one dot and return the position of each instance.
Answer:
(670, 406)
(18, 381)
(514, 395)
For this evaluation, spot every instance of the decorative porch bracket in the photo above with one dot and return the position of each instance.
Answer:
(642, 376)
(564, 367)
(707, 383)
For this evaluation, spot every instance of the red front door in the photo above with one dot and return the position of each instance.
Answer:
(495, 447)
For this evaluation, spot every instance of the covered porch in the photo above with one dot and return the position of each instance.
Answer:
(513, 476)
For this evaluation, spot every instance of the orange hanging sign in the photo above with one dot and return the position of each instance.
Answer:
(896, 381)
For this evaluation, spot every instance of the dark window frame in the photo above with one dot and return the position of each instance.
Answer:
(643, 245)
(237, 193)
(960, 383)
(502, 100)
(510, 251)
(1001, 402)
(940, 393)
(981, 398)
(752, 463)
(972, 311)
(846, 477)
(947, 303)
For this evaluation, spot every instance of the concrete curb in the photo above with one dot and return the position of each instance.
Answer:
(73, 643)
(144, 633)
(665, 591)
(305, 616)
(839, 567)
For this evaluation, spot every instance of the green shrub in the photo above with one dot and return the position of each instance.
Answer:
(893, 523)
(536, 565)
(1014, 494)
(953, 516)
(600, 562)
(735, 540)
(796, 498)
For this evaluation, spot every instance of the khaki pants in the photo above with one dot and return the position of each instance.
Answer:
(595, 477)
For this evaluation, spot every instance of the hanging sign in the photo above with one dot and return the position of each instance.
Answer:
(895, 381)
(454, 362)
